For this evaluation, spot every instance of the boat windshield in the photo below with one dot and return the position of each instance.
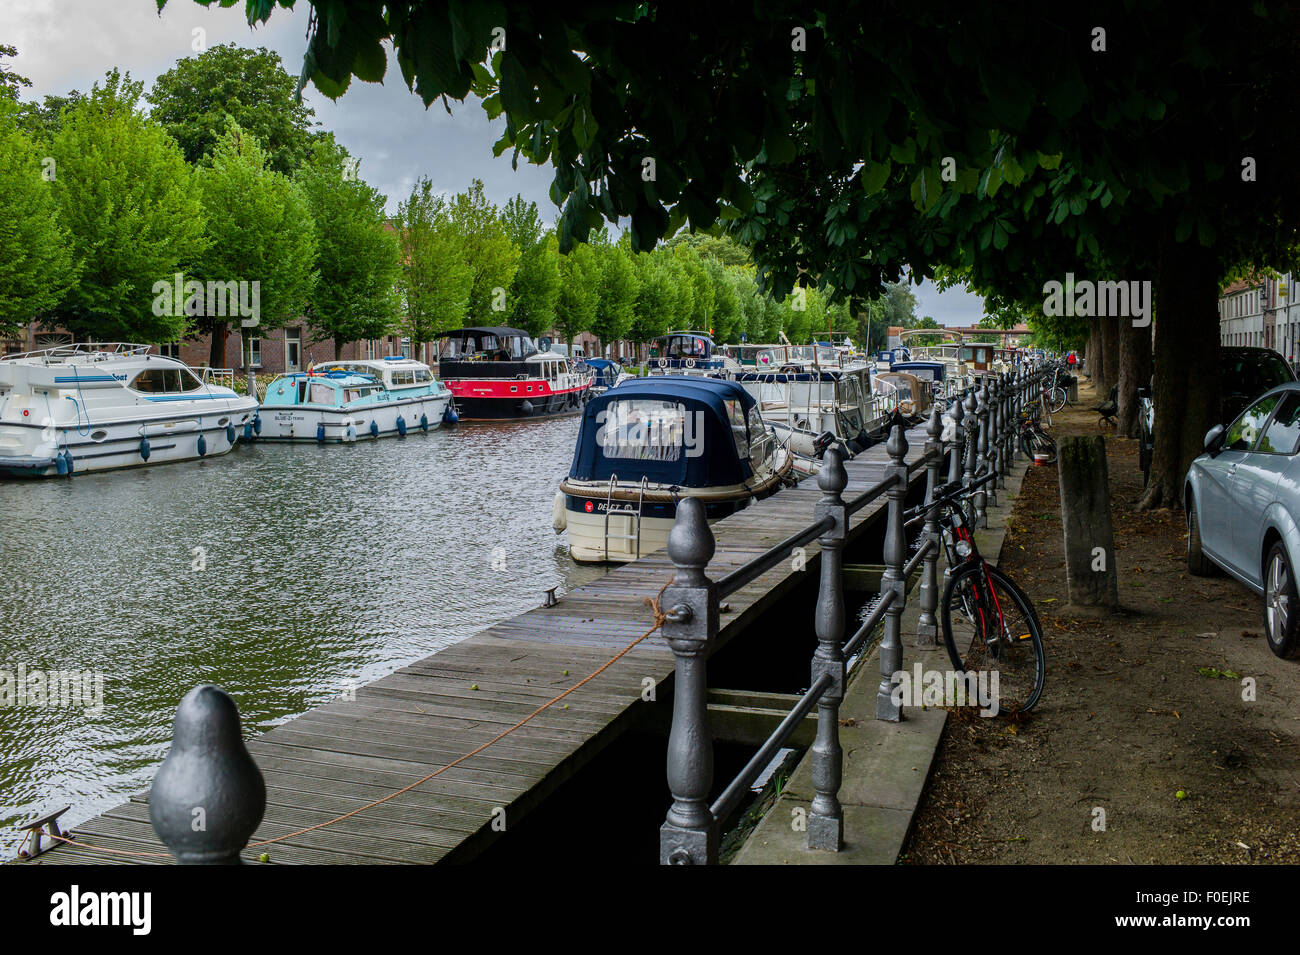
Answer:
(484, 346)
(642, 429)
(165, 381)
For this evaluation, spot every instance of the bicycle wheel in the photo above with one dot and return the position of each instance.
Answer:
(1038, 442)
(990, 626)
(1056, 399)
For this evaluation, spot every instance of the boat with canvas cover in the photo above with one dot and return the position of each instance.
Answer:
(646, 444)
(98, 407)
(340, 401)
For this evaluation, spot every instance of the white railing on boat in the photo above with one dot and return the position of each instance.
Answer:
(95, 351)
(225, 377)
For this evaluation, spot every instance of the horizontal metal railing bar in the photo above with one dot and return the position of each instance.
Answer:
(869, 495)
(753, 569)
(732, 795)
(915, 560)
(869, 624)
(921, 462)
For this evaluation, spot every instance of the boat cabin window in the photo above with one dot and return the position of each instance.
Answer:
(400, 378)
(642, 429)
(739, 428)
(686, 346)
(422, 376)
(166, 381)
(485, 347)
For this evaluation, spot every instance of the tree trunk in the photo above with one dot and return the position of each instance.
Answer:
(1096, 363)
(1090, 569)
(1134, 373)
(217, 353)
(1187, 365)
(1109, 349)
(338, 348)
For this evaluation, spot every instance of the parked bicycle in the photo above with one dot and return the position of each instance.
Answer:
(1035, 443)
(1055, 393)
(989, 624)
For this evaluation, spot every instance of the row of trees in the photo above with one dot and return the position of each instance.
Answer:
(224, 179)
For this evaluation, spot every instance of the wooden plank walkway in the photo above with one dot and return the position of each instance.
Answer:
(339, 757)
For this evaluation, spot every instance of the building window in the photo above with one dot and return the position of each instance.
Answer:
(406, 348)
(253, 353)
(292, 350)
(170, 350)
(370, 349)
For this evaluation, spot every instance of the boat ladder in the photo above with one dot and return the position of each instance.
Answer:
(633, 514)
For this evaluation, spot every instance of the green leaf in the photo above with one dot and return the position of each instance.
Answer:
(904, 152)
(874, 175)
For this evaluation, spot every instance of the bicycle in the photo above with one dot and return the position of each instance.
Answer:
(1055, 397)
(988, 623)
(1033, 437)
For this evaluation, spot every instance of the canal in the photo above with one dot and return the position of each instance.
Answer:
(286, 574)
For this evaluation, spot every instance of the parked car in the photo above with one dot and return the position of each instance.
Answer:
(1243, 508)
(1244, 373)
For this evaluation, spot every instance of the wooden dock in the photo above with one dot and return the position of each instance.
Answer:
(340, 757)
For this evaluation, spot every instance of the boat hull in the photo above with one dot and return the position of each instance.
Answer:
(301, 423)
(472, 407)
(586, 529)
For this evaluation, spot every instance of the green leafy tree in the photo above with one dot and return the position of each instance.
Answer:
(616, 301)
(492, 258)
(194, 98)
(261, 230)
(435, 279)
(132, 212)
(726, 305)
(10, 82)
(654, 299)
(358, 255)
(575, 309)
(536, 284)
(35, 266)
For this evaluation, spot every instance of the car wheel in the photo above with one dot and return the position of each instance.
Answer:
(1197, 563)
(1281, 606)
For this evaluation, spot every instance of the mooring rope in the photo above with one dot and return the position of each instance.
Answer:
(659, 618)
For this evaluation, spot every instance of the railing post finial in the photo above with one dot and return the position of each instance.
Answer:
(208, 796)
(826, 816)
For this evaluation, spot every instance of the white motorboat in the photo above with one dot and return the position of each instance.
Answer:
(340, 401)
(96, 407)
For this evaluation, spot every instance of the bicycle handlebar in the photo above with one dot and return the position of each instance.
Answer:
(946, 494)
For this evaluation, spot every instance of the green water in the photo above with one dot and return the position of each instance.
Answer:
(322, 568)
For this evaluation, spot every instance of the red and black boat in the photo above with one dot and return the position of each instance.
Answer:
(496, 373)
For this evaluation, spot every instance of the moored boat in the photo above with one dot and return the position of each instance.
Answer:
(99, 407)
(341, 401)
(649, 442)
(497, 373)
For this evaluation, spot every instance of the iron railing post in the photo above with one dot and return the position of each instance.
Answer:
(927, 627)
(689, 835)
(891, 646)
(968, 452)
(981, 454)
(994, 448)
(957, 449)
(208, 796)
(1004, 428)
(826, 817)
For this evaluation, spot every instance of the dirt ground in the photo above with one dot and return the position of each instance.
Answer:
(1142, 748)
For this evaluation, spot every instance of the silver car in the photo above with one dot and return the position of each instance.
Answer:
(1243, 501)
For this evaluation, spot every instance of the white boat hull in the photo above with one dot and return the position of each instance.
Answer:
(344, 425)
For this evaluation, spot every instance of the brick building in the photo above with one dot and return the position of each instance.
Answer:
(1262, 313)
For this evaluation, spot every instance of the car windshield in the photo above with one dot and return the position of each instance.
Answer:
(1252, 373)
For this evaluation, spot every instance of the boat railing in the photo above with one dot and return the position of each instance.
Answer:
(96, 351)
(224, 377)
(974, 439)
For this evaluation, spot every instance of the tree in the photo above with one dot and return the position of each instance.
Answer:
(196, 96)
(435, 279)
(492, 258)
(726, 305)
(35, 266)
(654, 298)
(616, 292)
(575, 309)
(536, 284)
(358, 256)
(1036, 147)
(10, 82)
(262, 233)
(132, 213)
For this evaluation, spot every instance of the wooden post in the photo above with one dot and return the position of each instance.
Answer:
(1085, 518)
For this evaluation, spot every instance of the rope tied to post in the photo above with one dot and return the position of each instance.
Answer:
(660, 617)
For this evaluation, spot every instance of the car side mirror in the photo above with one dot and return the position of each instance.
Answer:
(1214, 439)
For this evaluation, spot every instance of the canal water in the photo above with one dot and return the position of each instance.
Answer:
(286, 574)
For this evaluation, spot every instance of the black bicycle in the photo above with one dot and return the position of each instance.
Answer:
(989, 625)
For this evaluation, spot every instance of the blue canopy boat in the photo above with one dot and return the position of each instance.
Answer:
(645, 444)
(607, 373)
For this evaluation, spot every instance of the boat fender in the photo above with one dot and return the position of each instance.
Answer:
(424, 422)
(257, 424)
(351, 433)
(450, 416)
(61, 464)
(401, 426)
(526, 407)
(320, 432)
(248, 431)
(144, 448)
(374, 428)
(202, 444)
(71, 466)
(230, 435)
(559, 519)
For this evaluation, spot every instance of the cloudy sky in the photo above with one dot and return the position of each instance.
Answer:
(69, 44)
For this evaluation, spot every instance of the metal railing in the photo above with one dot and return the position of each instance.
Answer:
(977, 436)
